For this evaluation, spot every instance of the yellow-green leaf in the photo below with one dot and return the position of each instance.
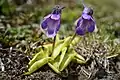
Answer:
(79, 61)
(62, 54)
(79, 56)
(37, 57)
(37, 65)
(54, 68)
(66, 60)
(59, 48)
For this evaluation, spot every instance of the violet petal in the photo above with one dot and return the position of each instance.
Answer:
(52, 27)
(91, 26)
(80, 31)
(85, 16)
(44, 24)
(55, 16)
(58, 27)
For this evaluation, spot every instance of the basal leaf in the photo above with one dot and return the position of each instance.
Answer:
(35, 66)
(62, 55)
(59, 48)
(79, 60)
(54, 64)
(38, 56)
(67, 59)
(78, 56)
(54, 68)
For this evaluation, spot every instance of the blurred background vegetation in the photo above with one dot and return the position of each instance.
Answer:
(20, 20)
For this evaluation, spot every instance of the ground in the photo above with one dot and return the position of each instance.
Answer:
(15, 64)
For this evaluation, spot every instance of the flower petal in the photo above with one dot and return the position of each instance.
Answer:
(91, 26)
(85, 16)
(77, 22)
(80, 31)
(52, 27)
(44, 24)
(81, 28)
(85, 10)
(55, 16)
(58, 27)
(50, 33)
(88, 11)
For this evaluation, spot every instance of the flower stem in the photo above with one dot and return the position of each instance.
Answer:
(73, 37)
(53, 46)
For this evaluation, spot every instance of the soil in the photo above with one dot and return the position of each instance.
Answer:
(15, 64)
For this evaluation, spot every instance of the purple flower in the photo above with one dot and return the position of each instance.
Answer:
(86, 22)
(51, 23)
